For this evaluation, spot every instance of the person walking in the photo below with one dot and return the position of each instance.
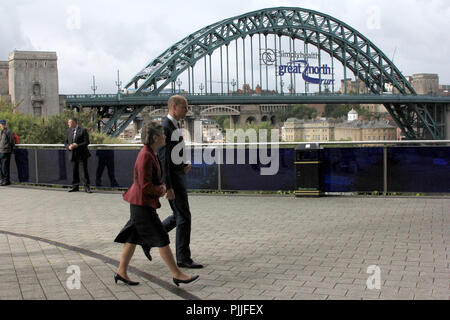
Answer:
(144, 227)
(77, 142)
(174, 176)
(7, 145)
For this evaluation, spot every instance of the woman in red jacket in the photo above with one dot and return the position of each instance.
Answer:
(144, 227)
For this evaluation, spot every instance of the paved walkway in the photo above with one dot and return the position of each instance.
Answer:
(253, 248)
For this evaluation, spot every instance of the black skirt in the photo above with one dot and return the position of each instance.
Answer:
(144, 228)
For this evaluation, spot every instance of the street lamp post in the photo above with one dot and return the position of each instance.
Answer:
(291, 89)
(179, 83)
(282, 85)
(94, 87)
(118, 82)
(233, 83)
(201, 87)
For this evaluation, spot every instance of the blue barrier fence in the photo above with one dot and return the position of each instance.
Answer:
(345, 169)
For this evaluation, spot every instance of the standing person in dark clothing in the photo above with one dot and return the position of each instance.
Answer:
(7, 145)
(174, 176)
(77, 141)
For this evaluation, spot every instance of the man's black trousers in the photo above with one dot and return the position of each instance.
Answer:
(181, 218)
(76, 173)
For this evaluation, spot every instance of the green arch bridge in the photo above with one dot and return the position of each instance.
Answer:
(248, 51)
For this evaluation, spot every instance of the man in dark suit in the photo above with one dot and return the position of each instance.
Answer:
(77, 141)
(174, 176)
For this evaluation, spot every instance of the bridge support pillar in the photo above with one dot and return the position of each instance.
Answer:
(234, 120)
(138, 124)
(193, 125)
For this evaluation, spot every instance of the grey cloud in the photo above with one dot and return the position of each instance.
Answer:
(129, 35)
(13, 37)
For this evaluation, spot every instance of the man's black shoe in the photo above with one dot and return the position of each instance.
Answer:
(76, 189)
(87, 189)
(191, 265)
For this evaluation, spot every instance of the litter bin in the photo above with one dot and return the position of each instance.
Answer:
(308, 180)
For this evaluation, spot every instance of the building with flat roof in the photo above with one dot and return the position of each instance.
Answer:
(4, 75)
(444, 90)
(352, 129)
(33, 82)
(425, 83)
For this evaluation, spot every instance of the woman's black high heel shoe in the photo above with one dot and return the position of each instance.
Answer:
(130, 283)
(192, 279)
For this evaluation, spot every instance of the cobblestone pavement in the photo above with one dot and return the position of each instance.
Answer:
(253, 248)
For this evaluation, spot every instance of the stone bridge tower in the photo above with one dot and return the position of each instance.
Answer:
(33, 82)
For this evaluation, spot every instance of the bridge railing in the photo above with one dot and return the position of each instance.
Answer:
(347, 167)
(143, 94)
(197, 94)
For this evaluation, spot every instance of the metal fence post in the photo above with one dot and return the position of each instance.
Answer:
(36, 165)
(385, 169)
(219, 169)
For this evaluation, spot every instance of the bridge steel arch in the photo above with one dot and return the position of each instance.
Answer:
(418, 120)
(328, 34)
(338, 39)
(220, 110)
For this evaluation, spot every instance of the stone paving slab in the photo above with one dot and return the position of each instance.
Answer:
(254, 248)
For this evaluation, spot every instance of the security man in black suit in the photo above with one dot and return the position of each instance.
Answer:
(174, 176)
(77, 141)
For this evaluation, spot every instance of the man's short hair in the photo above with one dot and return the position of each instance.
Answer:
(74, 120)
(176, 100)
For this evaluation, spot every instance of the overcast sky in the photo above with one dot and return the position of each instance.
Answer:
(98, 37)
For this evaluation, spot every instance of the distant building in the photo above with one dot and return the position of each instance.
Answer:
(353, 87)
(444, 90)
(296, 130)
(352, 115)
(4, 76)
(426, 83)
(375, 108)
(30, 79)
(129, 134)
(423, 83)
(308, 130)
(365, 131)
(211, 132)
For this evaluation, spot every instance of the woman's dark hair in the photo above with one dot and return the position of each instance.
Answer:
(148, 131)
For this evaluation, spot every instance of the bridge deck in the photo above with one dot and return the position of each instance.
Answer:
(217, 99)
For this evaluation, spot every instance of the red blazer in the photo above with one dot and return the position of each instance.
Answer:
(147, 187)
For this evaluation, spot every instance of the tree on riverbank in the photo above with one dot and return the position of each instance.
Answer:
(49, 130)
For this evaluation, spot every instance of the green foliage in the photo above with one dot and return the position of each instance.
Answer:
(257, 127)
(298, 111)
(341, 110)
(221, 120)
(100, 138)
(23, 125)
(50, 130)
